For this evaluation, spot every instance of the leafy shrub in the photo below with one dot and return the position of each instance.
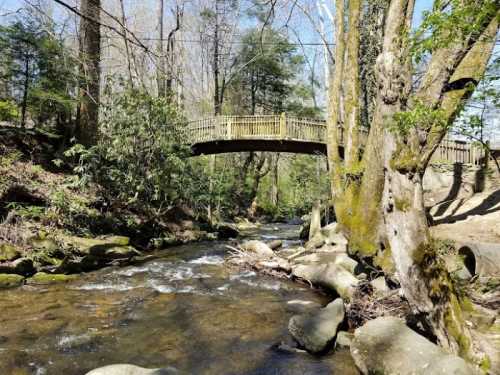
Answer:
(8, 110)
(139, 158)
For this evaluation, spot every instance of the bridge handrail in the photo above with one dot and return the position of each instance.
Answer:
(286, 128)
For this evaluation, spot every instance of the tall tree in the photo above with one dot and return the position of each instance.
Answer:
(378, 195)
(90, 73)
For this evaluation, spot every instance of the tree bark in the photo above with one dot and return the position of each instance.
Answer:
(90, 73)
(24, 104)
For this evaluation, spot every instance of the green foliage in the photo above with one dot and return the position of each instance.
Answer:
(27, 211)
(38, 70)
(8, 110)
(449, 22)
(140, 158)
(419, 117)
(269, 63)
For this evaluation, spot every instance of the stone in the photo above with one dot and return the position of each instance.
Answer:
(275, 244)
(379, 285)
(330, 275)
(343, 340)
(339, 258)
(10, 280)
(42, 278)
(125, 369)
(316, 330)
(20, 266)
(8, 253)
(333, 236)
(114, 252)
(83, 245)
(258, 247)
(47, 244)
(387, 346)
(227, 230)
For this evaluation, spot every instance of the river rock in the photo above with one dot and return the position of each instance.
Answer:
(8, 253)
(20, 266)
(84, 245)
(275, 244)
(114, 252)
(379, 285)
(258, 247)
(124, 369)
(387, 346)
(333, 236)
(343, 340)
(339, 258)
(10, 280)
(315, 330)
(331, 276)
(227, 230)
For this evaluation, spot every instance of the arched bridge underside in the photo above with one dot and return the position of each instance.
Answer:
(240, 145)
(280, 133)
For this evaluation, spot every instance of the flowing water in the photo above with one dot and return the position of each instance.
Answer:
(184, 309)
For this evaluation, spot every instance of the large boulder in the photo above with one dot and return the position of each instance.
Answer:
(84, 245)
(8, 253)
(227, 230)
(20, 266)
(315, 330)
(387, 346)
(331, 276)
(339, 258)
(258, 247)
(10, 280)
(124, 369)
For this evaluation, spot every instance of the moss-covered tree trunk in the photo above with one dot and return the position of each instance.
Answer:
(379, 201)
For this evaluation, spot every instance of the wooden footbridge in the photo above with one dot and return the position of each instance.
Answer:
(281, 133)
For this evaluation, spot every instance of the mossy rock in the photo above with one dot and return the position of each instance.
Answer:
(42, 278)
(113, 252)
(8, 253)
(46, 244)
(10, 280)
(84, 245)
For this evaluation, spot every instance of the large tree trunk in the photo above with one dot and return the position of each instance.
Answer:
(24, 104)
(90, 55)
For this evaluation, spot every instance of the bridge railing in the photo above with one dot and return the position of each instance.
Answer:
(282, 127)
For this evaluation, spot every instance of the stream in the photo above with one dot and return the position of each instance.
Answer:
(184, 309)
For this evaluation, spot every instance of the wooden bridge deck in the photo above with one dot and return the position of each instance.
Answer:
(280, 133)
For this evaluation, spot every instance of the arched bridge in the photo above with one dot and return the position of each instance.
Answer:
(281, 133)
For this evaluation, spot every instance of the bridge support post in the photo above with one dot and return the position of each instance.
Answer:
(282, 125)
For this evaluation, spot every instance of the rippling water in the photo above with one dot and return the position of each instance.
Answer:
(185, 309)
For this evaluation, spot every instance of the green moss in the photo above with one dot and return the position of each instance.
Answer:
(8, 252)
(402, 204)
(10, 280)
(384, 260)
(485, 364)
(404, 159)
(455, 323)
(47, 278)
(357, 219)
